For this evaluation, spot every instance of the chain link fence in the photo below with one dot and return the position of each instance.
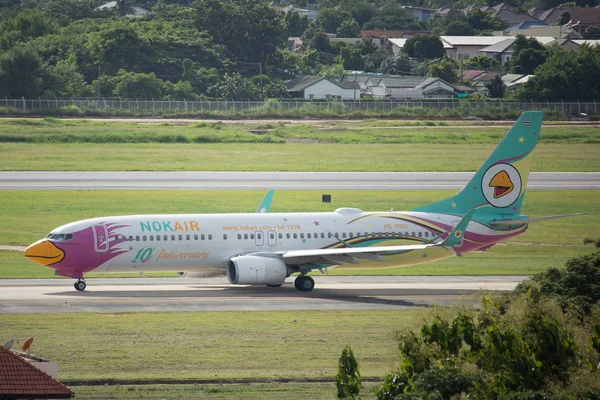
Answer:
(567, 109)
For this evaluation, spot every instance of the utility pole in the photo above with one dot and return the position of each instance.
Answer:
(260, 69)
(99, 73)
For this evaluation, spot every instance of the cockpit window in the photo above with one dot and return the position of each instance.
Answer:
(62, 237)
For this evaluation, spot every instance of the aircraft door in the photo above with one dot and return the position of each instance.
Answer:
(259, 239)
(100, 238)
(272, 238)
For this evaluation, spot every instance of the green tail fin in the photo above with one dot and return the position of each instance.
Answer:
(498, 186)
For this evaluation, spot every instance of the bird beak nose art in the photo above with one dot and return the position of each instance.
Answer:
(44, 252)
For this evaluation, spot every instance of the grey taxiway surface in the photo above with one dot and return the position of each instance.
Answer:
(65, 180)
(112, 295)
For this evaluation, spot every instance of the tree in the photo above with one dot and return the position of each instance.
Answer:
(352, 59)
(331, 18)
(251, 31)
(564, 17)
(235, 87)
(362, 10)
(348, 29)
(459, 28)
(391, 15)
(483, 20)
(131, 85)
(424, 46)
(348, 380)
(592, 32)
(496, 87)
(119, 46)
(295, 24)
(446, 69)
(21, 73)
(483, 63)
(527, 56)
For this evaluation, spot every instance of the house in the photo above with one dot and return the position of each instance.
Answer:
(550, 16)
(583, 18)
(502, 11)
(19, 379)
(588, 42)
(318, 87)
(397, 45)
(464, 47)
(555, 31)
(304, 12)
(131, 11)
(503, 51)
(524, 25)
(420, 13)
(470, 74)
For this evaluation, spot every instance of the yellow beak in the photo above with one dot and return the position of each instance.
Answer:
(44, 252)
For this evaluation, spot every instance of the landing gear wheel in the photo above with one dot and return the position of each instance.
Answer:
(80, 285)
(304, 283)
(276, 285)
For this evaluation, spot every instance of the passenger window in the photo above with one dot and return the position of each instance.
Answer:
(158, 238)
(246, 236)
(427, 234)
(224, 236)
(302, 236)
(280, 236)
(413, 234)
(252, 236)
(272, 235)
(172, 237)
(165, 238)
(308, 235)
(322, 235)
(239, 236)
(329, 235)
(287, 235)
(202, 237)
(295, 236)
(151, 238)
(144, 238)
(195, 237)
(344, 235)
(130, 237)
(258, 236)
(209, 236)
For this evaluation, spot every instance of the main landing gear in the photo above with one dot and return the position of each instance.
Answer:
(304, 283)
(80, 285)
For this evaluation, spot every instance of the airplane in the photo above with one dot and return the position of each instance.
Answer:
(265, 248)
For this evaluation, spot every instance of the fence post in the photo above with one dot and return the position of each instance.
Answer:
(24, 103)
(578, 108)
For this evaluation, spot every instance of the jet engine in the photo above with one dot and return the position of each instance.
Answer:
(257, 270)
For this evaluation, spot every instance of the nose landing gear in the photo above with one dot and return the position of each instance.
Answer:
(80, 285)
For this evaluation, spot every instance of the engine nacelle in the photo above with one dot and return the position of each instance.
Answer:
(257, 270)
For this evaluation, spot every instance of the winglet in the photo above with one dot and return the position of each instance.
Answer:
(265, 205)
(455, 237)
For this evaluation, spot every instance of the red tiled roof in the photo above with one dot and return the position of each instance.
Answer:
(20, 379)
(470, 74)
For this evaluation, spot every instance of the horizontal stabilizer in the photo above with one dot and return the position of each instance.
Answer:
(517, 222)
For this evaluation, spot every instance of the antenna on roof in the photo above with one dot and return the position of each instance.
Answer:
(26, 345)
(8, 344)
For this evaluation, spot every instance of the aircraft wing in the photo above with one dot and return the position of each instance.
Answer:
(518, 222)
(350, 255)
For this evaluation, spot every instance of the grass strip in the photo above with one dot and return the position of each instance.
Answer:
(300, 156)
(212, 345)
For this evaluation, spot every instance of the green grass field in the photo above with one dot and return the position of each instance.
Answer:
(212, 345)
(52, 144)
(32, 214)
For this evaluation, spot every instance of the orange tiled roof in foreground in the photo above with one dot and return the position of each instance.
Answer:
(19, 379)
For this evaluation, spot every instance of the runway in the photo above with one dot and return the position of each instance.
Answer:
(115, 295)
(130, 180)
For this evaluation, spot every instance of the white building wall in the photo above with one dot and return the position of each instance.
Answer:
(464, 52)
(327, 90)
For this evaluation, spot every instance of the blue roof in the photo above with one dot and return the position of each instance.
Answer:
(525, 25)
